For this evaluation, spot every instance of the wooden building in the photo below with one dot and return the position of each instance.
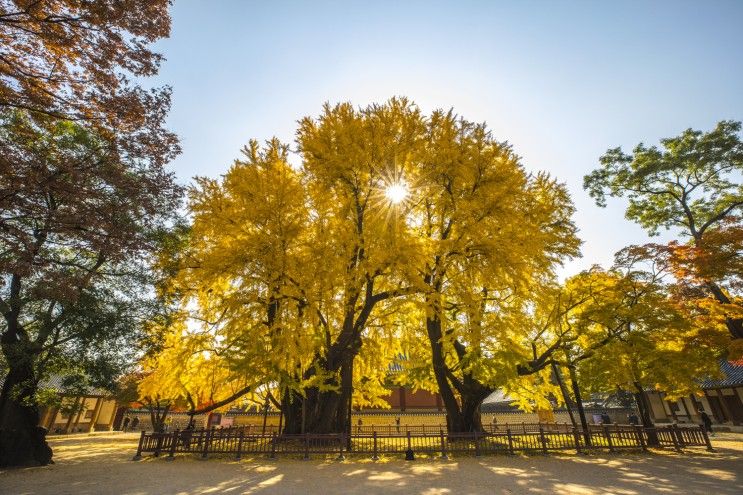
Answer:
(96, 410)
(404, 399)
(722, 400)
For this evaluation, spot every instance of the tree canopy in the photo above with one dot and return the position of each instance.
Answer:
(84, 198)
(693, 187)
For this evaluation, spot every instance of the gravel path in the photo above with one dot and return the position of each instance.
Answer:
(101, 464)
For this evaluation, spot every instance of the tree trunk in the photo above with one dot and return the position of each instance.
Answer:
(735, 326)
(464, 417)
(579, 405)
(22, 440)
(565, 395)
(320, 411)
(643, 405)
(324, 412)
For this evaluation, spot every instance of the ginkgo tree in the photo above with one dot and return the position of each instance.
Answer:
(391, 217)
(238, 273)
(398, 241)
(351, 160)
(190, 373)
(489, 233)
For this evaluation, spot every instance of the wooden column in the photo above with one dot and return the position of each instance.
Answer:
(79, 414)
(712, 411)
(44, 418)
(49, 423)
(68, 425)
(724, 406)
(670, 408)
(682, 405)
(96, 413)
(114, 412)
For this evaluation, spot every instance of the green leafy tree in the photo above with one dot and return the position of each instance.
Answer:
(691, 185)
(78, 220)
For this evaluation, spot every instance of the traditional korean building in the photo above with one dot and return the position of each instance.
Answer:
(722, 400)
(95, 410)
(405, 399)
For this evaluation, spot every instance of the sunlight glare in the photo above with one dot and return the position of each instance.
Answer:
(397, 192)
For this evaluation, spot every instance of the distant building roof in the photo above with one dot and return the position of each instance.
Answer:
(733, 371)
(57, 383)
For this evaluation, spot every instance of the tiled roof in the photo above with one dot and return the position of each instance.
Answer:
(56, 382)
(733, 371)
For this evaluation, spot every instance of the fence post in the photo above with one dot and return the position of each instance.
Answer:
(477, 444)
(543, 440)
(173, 445)
(679, 435)
(138, 455)
(375, 454)
(510, 441)
(608, 438)
(239, 445)
(342, 439)
(576, 439)
(273, 445)
(444, 455)
(675, 440)
(306, 447)
(706, 438)
(641, 437)
(207, 441)
(409, 455)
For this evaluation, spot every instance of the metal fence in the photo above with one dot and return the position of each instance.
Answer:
(506, 439)
(382, 421)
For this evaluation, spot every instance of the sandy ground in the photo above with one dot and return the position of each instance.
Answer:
(101, 464)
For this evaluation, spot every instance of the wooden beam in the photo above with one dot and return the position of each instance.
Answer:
(50, 420)
(724, 406)
(111, 420)
(96, 413)
(79, 414)
(68, 425)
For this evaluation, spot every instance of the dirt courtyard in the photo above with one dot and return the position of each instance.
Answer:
(101, 464)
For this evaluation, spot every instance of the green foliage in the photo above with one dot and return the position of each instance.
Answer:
(690, 184)
(78, 223)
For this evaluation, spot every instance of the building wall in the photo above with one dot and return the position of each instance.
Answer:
(657, 407)
(724, 409)
(57, 422)
(402, 399)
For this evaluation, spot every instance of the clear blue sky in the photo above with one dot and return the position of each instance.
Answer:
(561, 81)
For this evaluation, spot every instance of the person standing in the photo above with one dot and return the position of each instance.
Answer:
(706, 422)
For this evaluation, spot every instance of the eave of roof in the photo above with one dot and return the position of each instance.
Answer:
(733, 371)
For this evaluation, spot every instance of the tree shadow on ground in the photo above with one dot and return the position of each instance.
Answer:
(101, 465)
